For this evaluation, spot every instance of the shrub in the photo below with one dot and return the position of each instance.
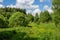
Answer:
(45, 17)
(17, 19)
(7, 35)
(3, 22)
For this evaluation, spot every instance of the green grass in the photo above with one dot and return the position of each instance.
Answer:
(44, 31)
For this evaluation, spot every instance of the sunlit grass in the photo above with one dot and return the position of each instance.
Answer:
(42, 31)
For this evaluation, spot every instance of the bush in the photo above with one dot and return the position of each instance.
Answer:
(45, 17)
(7, 35)
(3, 22)
(13, 35)
(17, 19)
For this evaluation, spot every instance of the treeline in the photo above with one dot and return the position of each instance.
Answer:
(7, 12)
(12, 17)
(17, 17)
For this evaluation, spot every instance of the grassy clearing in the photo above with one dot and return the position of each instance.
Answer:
(46, 31)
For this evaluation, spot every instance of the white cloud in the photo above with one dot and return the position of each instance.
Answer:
(32, 7)
(1, 6)
(33, 12)
(24, 3)
(11, 6)
(28, 4)
(49, 9)
(36, 11)
(46, 7)
(1, 0)
(29, 11)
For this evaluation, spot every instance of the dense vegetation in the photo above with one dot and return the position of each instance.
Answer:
(15, 24)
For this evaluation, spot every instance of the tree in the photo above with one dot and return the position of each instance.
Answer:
(36, 18)
(56, 4)
(29, 17)
(56, 18)
(17, 19)
(45, 17)
(3, 22)
(7, 12)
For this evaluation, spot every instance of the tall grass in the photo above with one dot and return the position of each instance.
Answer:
(44, 31)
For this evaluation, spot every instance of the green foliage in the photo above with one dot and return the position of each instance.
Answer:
(56, 5)
(7, 35)
(40, 32)
(17, 19)
(29, 18)
(36, 18)
(7, 12)
(57, 20)
(45, 17)
(56, 8)
(3, 23)
(28, 27)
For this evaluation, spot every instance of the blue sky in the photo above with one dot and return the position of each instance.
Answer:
(29, 5)
(8, 2)
(42, 4)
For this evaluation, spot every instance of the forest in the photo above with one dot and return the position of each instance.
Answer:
(15, 24)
